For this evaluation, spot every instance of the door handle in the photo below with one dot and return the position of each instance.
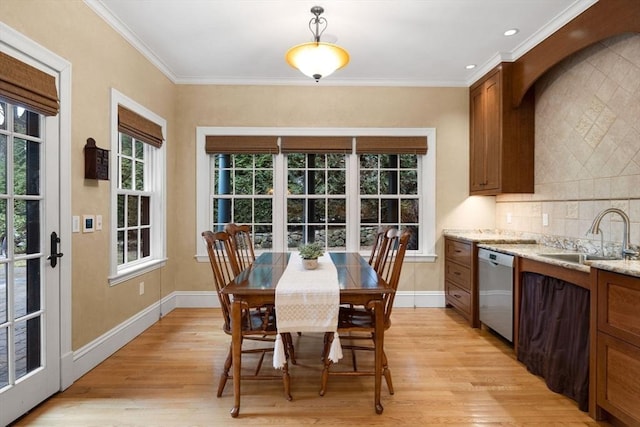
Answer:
(53, 258)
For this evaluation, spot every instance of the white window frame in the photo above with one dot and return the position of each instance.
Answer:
(156, 164)
(427, 166)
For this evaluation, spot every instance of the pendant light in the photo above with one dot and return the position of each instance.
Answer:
(317, 59)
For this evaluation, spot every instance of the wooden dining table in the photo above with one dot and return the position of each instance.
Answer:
(256, 286)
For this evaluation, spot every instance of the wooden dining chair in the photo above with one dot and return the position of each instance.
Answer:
(242, 244)
(357, 324)
(258, 323)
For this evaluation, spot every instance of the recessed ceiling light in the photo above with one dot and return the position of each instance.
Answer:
(470, 66)
(511, 32)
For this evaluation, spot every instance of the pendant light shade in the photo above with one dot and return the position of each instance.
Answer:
(317, 59)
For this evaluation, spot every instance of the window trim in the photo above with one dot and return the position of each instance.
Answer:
(428, 177)
(158, 205)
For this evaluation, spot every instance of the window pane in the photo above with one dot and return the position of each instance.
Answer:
(296, 182)
(144, 210)
(337, 211)
(139, 149)
(368, 161)
(26, 168)
(3, 164)
(295, 209)
(145, 242)
(316, 210)
(263, 236)
(139, 167)
(388, 161)
(3, 120)
(121, 244)
(263, 210)
(336, 161)
(318, 179)
(389, 182)
(369, 211)
(132, 211)
(409, 161)
(126, 145)
(408, 182)
(264, 182)
(4, 357)
(296, 161)
(336, 181)
(337, 240)
(409, 211)
(132, 245)
(26, 122)
(389, 211)
(242, 210)
(243, 161)
(126, 177)
(243, 182)
(264, 161)
(368, 182)
(3, 230)
(26, 226)
(294, 236)
(120, 210)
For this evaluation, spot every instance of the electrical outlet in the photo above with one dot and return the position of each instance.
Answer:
(509, 218)
(545, 220)
(141, 288)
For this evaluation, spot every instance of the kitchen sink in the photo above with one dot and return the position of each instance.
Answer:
(578, 257)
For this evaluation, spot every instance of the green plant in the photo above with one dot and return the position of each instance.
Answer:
(311, 251)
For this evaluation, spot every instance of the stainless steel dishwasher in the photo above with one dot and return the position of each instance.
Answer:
(495, 288)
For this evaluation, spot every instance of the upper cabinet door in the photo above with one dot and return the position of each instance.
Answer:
(501, 137)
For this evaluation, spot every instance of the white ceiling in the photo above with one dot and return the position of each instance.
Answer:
(391, 42)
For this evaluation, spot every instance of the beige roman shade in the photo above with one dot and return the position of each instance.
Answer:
(391, 145)
(142, 129)
(245, 144)
(316, 144)
(27, 86)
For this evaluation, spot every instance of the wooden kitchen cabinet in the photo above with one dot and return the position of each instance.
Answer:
(501, 137)
(461, 291)
(617, 372)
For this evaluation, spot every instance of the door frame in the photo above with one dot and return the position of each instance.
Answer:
(18, 45)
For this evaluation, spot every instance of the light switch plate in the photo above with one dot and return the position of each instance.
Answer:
(98, 222)
(545, 220)
(88, 223)
(75, 224)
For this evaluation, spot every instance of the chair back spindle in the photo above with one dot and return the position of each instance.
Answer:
(242, 244)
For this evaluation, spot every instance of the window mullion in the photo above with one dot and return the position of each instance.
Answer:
(280, 203)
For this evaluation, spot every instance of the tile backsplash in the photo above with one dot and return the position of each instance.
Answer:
(587, 152)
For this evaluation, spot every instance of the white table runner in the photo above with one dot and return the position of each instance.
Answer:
(307, 301)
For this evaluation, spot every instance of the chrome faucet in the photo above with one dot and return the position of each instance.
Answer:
(595, 229)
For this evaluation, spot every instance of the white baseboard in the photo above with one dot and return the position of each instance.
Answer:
(91, 355)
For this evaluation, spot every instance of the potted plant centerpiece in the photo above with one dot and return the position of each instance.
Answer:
(309, 254)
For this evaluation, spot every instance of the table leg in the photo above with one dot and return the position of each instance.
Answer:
(236, 344)
(379, 348)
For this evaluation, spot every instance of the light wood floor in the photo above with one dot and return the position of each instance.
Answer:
(443, 371)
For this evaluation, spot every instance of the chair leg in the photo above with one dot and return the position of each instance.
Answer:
(386, 372)
(225, 372)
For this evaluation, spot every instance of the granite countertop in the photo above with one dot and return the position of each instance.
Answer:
(528, 248)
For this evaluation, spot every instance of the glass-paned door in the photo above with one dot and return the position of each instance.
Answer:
(29, 337)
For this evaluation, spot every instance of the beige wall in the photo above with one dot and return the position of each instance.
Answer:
(102, 60)
(445, 109)
(587, 154)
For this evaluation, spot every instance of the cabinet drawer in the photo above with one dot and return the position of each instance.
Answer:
(458, 251)
(618, 302)
(458, 297)
(618, 386)
(458, 274)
